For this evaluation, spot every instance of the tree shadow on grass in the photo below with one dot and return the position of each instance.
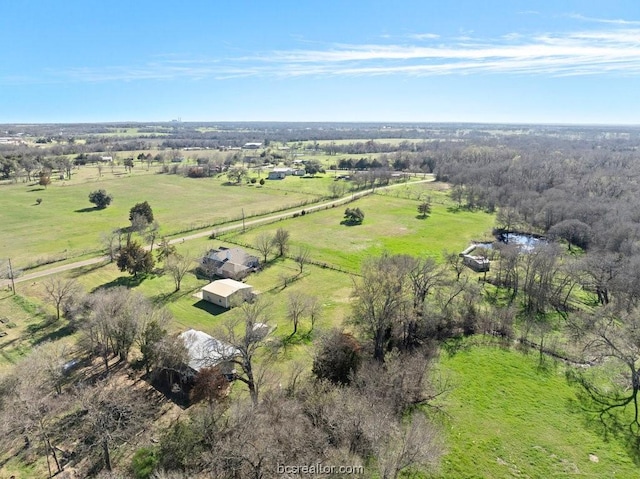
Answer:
(210, 308)
(40, 326)
(615, 424)
(298, 338)
(459, 209)
(89, 209)
(350, 223)
(42, 188)
(166, 298)
(126, 281)
(77, 272)
(62, 332)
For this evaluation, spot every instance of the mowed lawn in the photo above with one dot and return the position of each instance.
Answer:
(390, 224)
(67, 225)
(332, 288)
(509, 418)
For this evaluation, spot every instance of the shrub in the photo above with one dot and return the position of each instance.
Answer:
(100, 198)
(144, 462)
(353, 216)
(338, 357)
(38, 201)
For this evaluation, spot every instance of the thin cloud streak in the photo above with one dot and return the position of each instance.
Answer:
(606, 21)
(614, 51)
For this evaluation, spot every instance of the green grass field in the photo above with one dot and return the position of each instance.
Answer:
(67, 225)
(390, 224)
(509, 418)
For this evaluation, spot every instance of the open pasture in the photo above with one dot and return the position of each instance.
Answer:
(390, 224)
(508, 417)
(65, 224)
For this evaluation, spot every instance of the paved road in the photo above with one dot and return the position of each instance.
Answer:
(202, 234)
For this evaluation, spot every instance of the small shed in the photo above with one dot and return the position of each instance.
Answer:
(225, 292)
(479, 264)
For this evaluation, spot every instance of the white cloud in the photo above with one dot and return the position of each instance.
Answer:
(605, 51)
(424, 36)
(609, 21)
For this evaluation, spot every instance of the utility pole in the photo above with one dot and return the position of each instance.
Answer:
(13, 284)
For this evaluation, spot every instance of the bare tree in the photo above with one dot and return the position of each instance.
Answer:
(281, 241)
(508, 219)
(245, 335)
(303, 254)
(264, 244)
(297, 304)
(112, 243)
(178, 266)
(380, 296)
(454, 260)
(59, 290)
(48, 359)
(112, 414)
(314, 310)
(113, 325)
(151, 234)
(170, 355)
(414, 444)
(30, 411)
(337, 189)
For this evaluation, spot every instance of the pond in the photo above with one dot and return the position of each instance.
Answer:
(526, 241)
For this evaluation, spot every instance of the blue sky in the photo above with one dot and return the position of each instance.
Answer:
(348, 60)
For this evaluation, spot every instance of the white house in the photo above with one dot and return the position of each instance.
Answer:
(226, 292)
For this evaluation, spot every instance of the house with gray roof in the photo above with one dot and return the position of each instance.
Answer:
(232, 263)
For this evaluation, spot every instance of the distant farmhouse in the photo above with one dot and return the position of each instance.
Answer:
(251, 146)
(233, 263)
(281, 173)
(226, 292)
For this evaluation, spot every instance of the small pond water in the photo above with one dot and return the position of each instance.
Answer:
(526, 241)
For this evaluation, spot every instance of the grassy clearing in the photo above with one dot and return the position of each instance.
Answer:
(390, 224)
(26, 323)
(510, 418)
(333, 288)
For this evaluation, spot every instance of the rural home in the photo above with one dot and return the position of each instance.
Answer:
(226, 292)
(233, 263)
(281, 173)
(251, 146)
(206, 352)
